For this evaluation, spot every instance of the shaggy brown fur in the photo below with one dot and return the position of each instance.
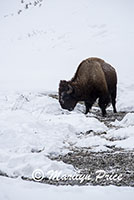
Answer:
(93, 79)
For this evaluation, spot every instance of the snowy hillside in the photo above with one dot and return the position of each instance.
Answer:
(42, 45)
(42, 42)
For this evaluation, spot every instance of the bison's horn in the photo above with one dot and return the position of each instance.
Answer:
(70, 89)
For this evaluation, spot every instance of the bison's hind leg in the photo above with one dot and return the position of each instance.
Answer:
(113, 98)
(103, 102)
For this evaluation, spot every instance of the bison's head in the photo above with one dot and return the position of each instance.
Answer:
(66, 96)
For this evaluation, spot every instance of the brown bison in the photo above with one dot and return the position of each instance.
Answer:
(93, 79)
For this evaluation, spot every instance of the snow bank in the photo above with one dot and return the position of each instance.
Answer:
(123, 134)
(128, 120)
(34, 126)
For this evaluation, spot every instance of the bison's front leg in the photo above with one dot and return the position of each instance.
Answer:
(88, 106)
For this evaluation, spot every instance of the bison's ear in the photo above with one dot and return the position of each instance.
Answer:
(63, 82)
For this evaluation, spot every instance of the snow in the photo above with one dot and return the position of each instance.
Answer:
(39, 47)
(36, 123)
(17, 189)
(124, 136)
(51, 40)
(125, 98)
(127, 121)
(34, 126)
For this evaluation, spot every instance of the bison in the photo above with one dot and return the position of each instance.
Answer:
(94, 79)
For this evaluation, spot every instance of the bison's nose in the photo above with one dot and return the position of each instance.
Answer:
(70, 109)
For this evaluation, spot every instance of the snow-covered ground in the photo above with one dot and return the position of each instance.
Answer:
(34, 126)
(18, 189)
(40, 46)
